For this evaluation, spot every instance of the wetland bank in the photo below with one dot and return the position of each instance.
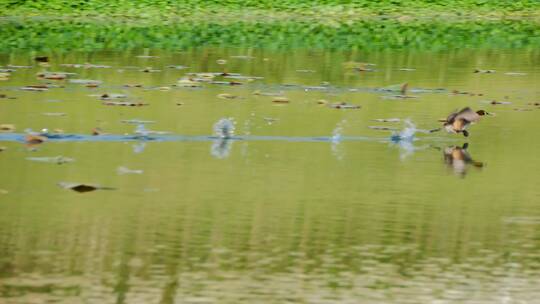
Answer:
(250, 152)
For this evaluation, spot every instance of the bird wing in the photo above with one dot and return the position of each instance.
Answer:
(451, 117)
(467, 114)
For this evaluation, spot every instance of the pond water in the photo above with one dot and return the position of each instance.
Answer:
(303, 200)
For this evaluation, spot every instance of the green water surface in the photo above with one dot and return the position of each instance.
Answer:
(274, 221)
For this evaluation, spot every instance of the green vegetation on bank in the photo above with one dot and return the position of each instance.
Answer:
(337, 24)
(301, 7)
(364, 35)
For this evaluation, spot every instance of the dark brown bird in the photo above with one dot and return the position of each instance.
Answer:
(458, 121)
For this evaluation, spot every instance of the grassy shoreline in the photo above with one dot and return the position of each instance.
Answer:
(94, 25)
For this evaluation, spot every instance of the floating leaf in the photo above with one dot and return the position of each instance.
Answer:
(7, 127)
(56, 159)
(280, 99)
(484, 71)
(124, 103)
(124, 170)
(344, 105)
(227, 96)
(81, 188)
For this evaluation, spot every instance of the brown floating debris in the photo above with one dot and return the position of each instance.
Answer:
(36, 88)
(188, 83)
(344, 105)
(19, 66)
(133, 85)
(81, 188)
(124, 103)
(382, 128)
(85, 65)
(258, 92)
(86, 82)
(53, 75)
(387, 119)
(54, 114)
(226, 82)
(534, 103)
(149, 70)
(494, 102)
(227, 96)
(7, 127)
(280, 99)
(109, 96)
(484, 71)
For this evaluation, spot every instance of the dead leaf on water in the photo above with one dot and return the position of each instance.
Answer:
(344, 105)
(133, 85)
(109, 96)
(81, 188)
(7, 127)
(123, 170)
(188, 83)
(484, 71)
(387, 119)
(382, 128)
(59, 160)
(54, 114)
(86, 82)
(124, 103)
(150, 70)
(227, 96)
(52, 75)
(280, 99)
(35, 88)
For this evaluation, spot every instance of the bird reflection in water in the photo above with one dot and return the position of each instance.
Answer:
(459, 159)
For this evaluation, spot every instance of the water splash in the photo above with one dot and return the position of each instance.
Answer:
(407, 134)
(337, 137)
(404, 139)
(224, 128)
(221, 148)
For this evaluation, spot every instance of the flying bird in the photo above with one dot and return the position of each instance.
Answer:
(459, 121)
